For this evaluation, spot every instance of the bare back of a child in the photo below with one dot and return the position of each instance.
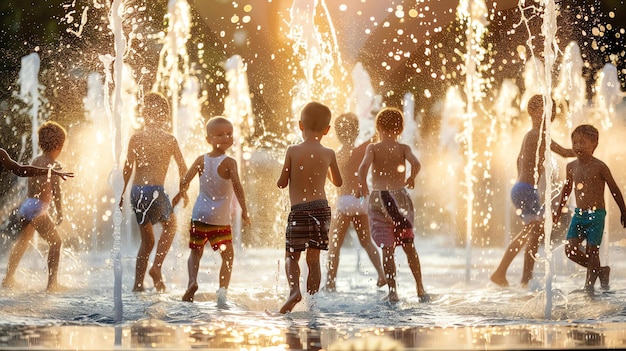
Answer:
(309, 163)
(389, 164)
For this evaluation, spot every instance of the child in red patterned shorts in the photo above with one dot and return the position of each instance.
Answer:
(211, 216)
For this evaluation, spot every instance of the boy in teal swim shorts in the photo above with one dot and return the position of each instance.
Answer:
(590, 175)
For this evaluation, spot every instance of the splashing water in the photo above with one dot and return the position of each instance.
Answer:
(30, 94)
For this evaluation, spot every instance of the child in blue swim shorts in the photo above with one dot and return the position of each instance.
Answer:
(590, 176)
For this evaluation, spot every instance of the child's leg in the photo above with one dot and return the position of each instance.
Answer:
(193, 265)
(414, 264)
(389, 265)
(292, 270)
(499, 276)
(163, 247)
(593, 265)
(315, 272)
(362, 227)
(338, 228)
(21, 243)
(228, 254)
(45, 227)
(534, 237)
(145, 247)
(574, 253)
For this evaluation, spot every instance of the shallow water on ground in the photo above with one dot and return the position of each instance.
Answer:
(462, 315)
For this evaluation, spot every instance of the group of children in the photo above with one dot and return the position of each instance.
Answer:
(384, 214)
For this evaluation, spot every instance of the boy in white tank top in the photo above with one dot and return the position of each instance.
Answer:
(211, 216)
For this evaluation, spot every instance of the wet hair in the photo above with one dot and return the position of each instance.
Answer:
(347, 127)
(390, 120)
(588, 131)
(156, 109)
(51, 136)
(213, 121)
(315, 116)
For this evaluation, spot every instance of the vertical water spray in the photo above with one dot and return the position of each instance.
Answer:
(364, 102)
(29, 93)
(548, 29)
(238, 109)
(116, 178)
(173, 68)
(316, 54)
(550, 47)
(473, 14)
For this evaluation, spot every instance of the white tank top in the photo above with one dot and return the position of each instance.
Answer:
(213, 205)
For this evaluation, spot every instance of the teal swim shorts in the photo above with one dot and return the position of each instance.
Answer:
(587, 224)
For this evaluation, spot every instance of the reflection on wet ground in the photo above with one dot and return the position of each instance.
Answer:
(153, 334)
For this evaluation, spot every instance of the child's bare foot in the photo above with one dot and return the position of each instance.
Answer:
(9, 283)
(499, 279)
(424, 298)
(158, 279)
(330, 286)
(604, 277)
(56, 288)
(381, 282)
(138, 288)
(189, 294)
(392, 297)
(292, 301)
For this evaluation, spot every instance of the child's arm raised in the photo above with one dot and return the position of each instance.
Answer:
(560, 150)
(28, 170)
(615, 192)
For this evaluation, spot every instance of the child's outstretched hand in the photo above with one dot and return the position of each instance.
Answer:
(63, 175)
(623, 219)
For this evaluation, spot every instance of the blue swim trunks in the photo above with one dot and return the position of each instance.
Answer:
(150, 203)
(526, 199)
(587, 224)
(32, 208)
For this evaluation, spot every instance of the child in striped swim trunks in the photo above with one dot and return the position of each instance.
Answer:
(305, 170)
